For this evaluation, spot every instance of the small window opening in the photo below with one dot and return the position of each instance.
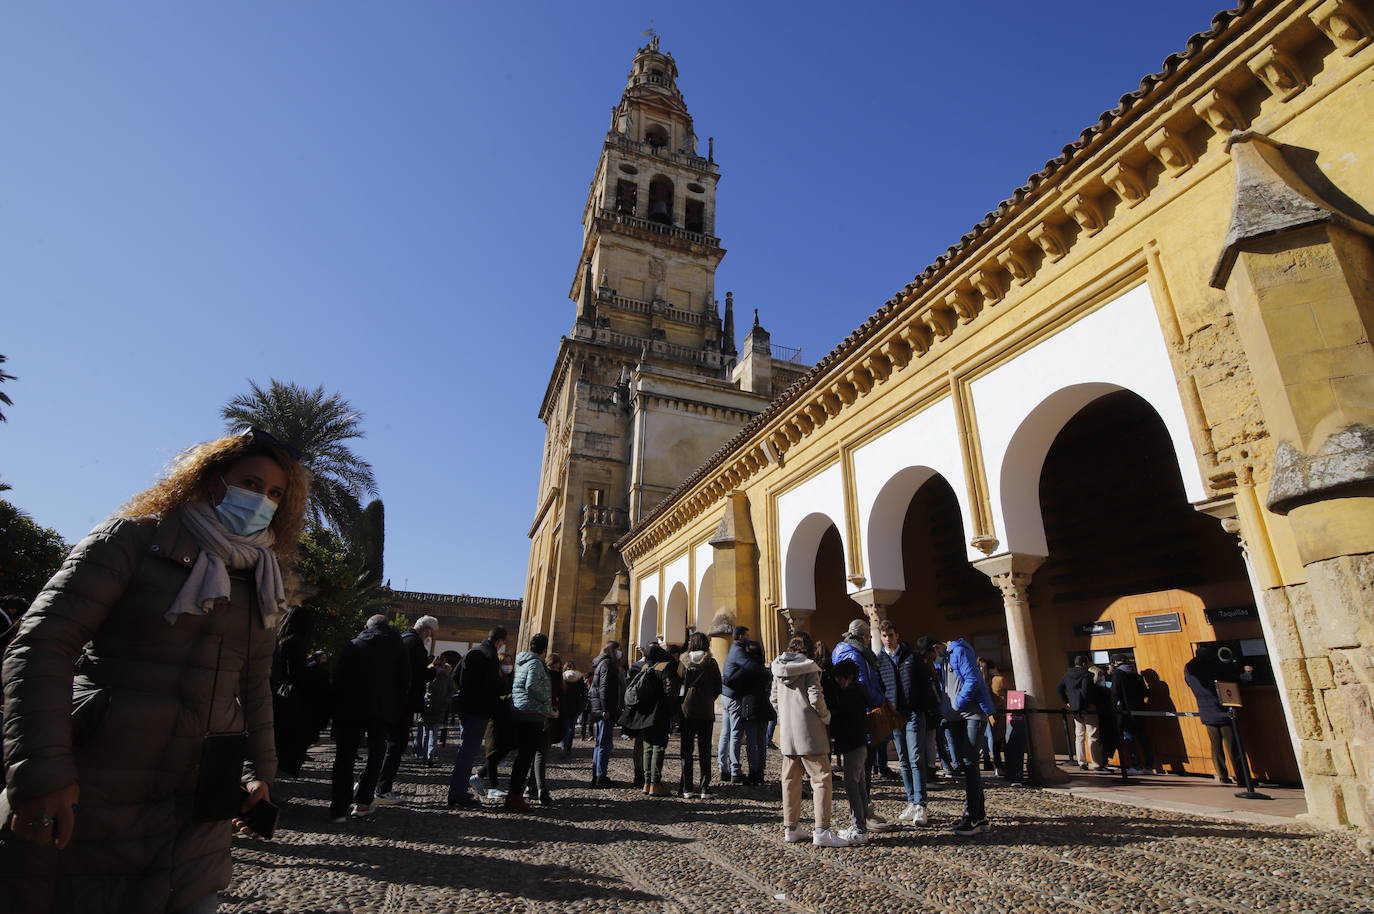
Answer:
(626, 197)
(656, 136)
(694, 219)
(661, 200)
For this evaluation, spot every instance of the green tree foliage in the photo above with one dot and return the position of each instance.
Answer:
(338, 588)
(371, 539)
(4, 397)
(29, 554)
(320, 426)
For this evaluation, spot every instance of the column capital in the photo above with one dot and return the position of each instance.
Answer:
(796, 618)
(1010, 563)
(872, 597)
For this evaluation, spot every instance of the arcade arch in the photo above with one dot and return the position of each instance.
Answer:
(675, 617)
(706, 600)
(648, 625)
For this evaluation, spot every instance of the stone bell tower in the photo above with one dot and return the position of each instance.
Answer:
(641, 391)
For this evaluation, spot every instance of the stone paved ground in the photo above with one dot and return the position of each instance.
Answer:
(616, 850)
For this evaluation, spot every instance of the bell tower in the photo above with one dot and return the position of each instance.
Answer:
(649, 250)
(643, 389)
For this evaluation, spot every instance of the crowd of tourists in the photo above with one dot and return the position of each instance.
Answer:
(158, 686)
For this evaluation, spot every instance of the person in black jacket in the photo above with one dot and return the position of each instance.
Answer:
(849, 731)
(1129, 694)
(603, 697)
(479, 699)
(753, 684)
(292, 715)
(1200, 674)
(370, 685)
(414, 703)
(1075, 690)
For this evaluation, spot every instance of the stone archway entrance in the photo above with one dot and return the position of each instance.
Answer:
(1133, 569)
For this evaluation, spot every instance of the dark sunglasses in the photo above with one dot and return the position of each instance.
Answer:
(261, 437)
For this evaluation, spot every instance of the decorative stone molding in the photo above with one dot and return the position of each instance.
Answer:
(1049, 239)
(796, 618)
(1016, 265)
(1343, 466)
(988, 282)
(1085, 211)
(878, 367)
(1125, 182)
(961, 303)
(1220, 112)
(916, 335)
(897, 352)
(1342, 22)
(1171, 147)
(1279, 72)
(861, 380)
(985, 543)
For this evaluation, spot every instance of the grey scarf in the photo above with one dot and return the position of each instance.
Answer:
(220, 550)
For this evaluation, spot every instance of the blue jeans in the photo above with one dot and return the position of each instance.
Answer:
(474, 734)
(965, 738)
(429, 741)
(605, 742)
(569, 730)
(908, 739)
(727, 750)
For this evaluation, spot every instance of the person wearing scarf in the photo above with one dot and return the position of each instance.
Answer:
(157, 630)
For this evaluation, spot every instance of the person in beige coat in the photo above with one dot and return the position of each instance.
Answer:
(156, 631)
(803, 743)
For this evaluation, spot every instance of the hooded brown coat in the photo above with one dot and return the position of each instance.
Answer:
(126, 725)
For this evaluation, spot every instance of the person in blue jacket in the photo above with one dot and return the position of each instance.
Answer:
(965, 703)
(727, 750)
(854, 646)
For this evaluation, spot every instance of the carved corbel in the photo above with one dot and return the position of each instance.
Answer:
(1085, 211)
(1171, 147)
(846, 392)
(988, 282)
(780, 442)
(1050, 240)
(1125, 182)
(861, 379)
(897, 352)
(1279, 72)
(879, 367)
(916, 335)
(831, 404)
(793, 431)
(940, 319)
(803, 422)
(961, 303)
(1016, 265)
(816, 413)
(1344, 24)
(1221, 112)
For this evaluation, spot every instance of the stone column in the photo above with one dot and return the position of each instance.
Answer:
(1012, 575)
(736, 575)
(797, 619)
(875, 602)
(1295, 267)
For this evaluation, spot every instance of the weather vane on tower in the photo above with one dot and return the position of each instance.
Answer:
(652, 36)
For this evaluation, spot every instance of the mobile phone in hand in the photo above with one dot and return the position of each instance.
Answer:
(261, 818)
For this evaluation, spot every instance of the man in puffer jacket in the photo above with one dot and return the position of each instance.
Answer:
(854, 646)
(532, 705)
(803, 743)
(965, 703)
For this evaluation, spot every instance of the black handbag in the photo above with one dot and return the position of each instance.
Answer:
(219, 776)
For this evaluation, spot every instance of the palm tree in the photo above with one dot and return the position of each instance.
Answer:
(4, 397)
(319, 425)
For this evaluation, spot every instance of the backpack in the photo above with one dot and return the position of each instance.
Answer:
(642, 692)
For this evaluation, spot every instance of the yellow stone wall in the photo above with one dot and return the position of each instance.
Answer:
(1148, 198)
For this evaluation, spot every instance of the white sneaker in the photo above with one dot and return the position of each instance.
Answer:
(853, 837)
(824, 837)
(877, 824)
(919, 817)
(362, 812)
(496, 793)
(478, 786)
(907, 813)
(795, 835)
(385, 799)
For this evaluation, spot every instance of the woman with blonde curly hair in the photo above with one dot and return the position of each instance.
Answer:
(138, 714)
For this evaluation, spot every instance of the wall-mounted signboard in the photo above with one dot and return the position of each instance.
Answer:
(1159, 624)
(1231, 614)
(1105, 627)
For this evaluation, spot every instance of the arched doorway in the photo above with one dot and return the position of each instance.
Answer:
(706, 600)
(834, 608)
(1134, 570)
(943, 594)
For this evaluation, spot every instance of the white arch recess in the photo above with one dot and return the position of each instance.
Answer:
(675, 616)
(1024, 404)
(804, 514)
(648, 623)
(706, 598)
(889, 470)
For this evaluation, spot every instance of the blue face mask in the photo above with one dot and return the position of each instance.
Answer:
(243, 512)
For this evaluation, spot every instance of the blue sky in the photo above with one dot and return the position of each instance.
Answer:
(385, 199)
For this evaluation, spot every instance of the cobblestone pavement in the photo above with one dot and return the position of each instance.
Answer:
(616, 850)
